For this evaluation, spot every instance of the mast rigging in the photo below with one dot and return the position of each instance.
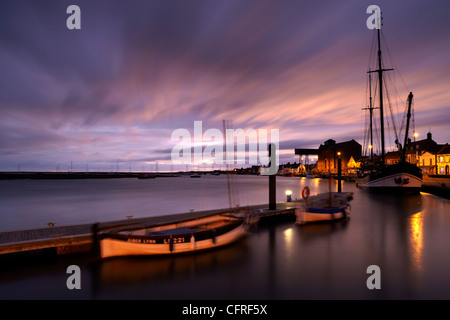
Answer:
(380, 80)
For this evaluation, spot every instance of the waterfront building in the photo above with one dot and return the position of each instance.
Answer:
(427, 162)
(443, 160)
(392, 157)
(328, 156)
(428, 155)
(415, 149)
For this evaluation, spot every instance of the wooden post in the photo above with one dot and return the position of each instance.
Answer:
(272, 182)
(95, 240)
(339, 172)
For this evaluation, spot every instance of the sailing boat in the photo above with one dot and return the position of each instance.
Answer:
(402, 177)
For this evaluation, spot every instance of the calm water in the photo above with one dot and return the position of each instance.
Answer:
(407, 237)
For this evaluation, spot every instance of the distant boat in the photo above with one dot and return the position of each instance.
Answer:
(176, 238)
(402, 177)
(334, 206)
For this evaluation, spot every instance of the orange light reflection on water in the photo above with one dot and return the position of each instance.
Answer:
(416, 239)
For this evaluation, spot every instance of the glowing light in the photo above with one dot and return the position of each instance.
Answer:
(288, 240)
(288, 233)
(288, 192)
(416, 237)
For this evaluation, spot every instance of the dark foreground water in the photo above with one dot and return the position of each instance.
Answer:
(408, 237)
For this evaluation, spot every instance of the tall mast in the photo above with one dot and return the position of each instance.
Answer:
(380, 80)
(371, 117)
(410, 97)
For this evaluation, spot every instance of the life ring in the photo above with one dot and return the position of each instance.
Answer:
(305, 192)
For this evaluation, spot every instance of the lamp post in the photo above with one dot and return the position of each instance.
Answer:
(339, 172)
(288, 196)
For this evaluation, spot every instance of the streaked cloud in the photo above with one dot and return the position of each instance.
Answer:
(116, 89)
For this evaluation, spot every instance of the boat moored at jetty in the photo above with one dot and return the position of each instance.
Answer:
(334, 206)
(176, 238)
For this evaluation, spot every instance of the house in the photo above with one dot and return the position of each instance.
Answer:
(392, 157)
(443, 160)
(428, 155)
(427, 162)
(415, 149)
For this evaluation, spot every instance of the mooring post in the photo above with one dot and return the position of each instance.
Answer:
(339, 172)
(272, 180)
(95, 240)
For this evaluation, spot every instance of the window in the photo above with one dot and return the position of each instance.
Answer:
(441, 159)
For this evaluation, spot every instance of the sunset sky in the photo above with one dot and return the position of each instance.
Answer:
(111, 94)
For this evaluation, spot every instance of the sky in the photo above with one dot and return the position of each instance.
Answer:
(110, 95)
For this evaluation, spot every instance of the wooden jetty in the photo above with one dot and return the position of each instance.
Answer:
(437, 185)
(79, 238)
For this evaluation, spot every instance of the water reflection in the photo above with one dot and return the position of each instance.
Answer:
(288, 239)
(316, 231)
(129, 271)
(416, 239)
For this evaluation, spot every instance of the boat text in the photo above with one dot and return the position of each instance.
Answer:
(153, 241)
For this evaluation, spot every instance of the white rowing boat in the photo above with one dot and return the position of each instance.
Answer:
(176, 238)
(334, 207)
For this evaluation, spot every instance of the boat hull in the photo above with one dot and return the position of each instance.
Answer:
(144, 246)
(339, 209)
(403, 178)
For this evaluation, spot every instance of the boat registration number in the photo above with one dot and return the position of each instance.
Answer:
(174, 240)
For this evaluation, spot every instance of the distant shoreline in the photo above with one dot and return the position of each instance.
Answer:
(97, 175)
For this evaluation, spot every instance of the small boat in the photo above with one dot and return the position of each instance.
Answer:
(333, 207)
(176, 238)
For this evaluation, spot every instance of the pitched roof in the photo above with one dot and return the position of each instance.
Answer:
(445, 149)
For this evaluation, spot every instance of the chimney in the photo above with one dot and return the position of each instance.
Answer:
(429, 136)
